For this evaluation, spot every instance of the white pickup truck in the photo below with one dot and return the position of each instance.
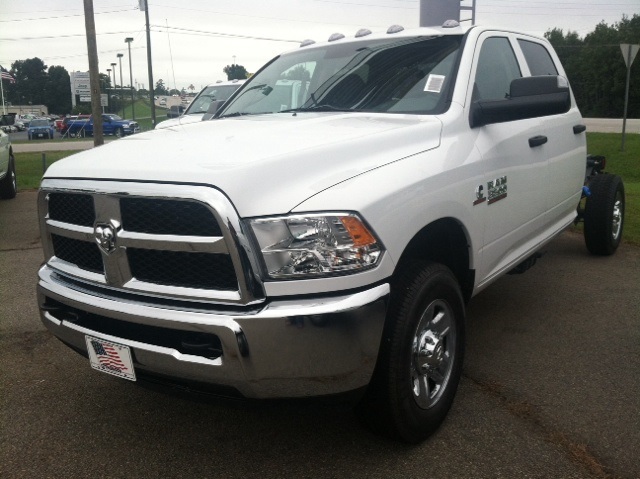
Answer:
(324, 231)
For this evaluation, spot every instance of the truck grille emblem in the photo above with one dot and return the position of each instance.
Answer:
(105, 235)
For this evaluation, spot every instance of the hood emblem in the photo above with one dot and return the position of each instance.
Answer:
(105, 235)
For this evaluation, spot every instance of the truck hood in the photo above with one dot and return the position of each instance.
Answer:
(181, 120)
(266, 164)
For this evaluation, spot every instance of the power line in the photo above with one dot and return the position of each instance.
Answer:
(64, 16)
(261, 17)
(220, 34)
(71, 35)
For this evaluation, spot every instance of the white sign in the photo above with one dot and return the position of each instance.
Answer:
(629, 53)
(104, 100)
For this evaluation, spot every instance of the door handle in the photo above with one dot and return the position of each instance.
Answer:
(577, 129)
(537, 141)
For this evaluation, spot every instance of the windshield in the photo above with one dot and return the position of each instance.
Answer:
(113, 117)
(39, 123)
(211, 93)
(409, 75)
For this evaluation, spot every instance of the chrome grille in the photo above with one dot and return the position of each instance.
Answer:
(175, 241)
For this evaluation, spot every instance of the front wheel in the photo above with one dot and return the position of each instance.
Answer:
(9, 184)
(420, 360)
(119, 132)
(604, 215)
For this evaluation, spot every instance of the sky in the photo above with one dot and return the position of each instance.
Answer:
(193, 40)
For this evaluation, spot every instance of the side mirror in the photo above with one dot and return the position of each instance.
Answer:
(529, 97)
(214, 107)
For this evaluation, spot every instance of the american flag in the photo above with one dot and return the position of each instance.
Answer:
(108, 356)
(5, 75)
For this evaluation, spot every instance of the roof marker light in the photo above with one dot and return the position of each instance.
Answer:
(307, 42)
(451, 24)
(363, 32)
(336, 36)
(395, 29)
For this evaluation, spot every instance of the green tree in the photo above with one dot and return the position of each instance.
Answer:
(160, 89)
(31, 82)
(596, 69)
(235, 72)
(58, 90)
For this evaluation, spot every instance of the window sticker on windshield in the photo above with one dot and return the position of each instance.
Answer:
(434, 83)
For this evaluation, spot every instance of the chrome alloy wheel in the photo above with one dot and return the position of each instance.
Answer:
(433, 353)
(618, 211)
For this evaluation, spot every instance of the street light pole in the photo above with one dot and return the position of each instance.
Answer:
(120, 55)
(144, 5)
(128, 41)
(113, 88)
(109, 90)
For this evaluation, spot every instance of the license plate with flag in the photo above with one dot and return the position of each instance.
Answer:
(110, 358)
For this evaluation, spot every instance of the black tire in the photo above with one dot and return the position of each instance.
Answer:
(9, 184)
(604, 215)
(119, 132)
(421, 355)
(82, 133)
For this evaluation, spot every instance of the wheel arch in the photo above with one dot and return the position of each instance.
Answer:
(445, 241)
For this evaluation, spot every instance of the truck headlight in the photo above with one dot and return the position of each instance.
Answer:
(315, 245)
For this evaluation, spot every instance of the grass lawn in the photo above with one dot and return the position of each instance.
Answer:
(143, 114)
(626, 164)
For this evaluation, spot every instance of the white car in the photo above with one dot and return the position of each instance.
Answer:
(215, 92)
(8, 183)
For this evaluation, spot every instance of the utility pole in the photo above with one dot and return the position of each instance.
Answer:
(128, 40)
(94, 74)
(144, 5)
(120, 55)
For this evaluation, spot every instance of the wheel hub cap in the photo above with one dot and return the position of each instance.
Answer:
(433, 353)
(430, 351)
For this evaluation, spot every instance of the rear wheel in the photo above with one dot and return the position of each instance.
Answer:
(604, 214)
(9, 184)
(420, 360)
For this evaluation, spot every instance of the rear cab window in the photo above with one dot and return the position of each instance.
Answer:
(538, 58)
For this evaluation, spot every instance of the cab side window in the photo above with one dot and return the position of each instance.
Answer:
(538, 58)
(497, 67)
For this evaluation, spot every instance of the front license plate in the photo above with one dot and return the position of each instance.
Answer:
(110, 358)
(40, 135)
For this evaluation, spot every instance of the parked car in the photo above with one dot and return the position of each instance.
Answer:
(57, 124)
(8, 182)
(175, 111)
(215, 92)
(40, 128)
(163, 102)
(111, 125)
(71, 120)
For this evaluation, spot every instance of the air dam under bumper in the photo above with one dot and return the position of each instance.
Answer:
(287, 348)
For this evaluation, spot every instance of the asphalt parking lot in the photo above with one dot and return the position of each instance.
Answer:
(551, 389)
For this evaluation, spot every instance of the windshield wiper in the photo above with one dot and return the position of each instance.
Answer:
(321, 107)
(237, 113)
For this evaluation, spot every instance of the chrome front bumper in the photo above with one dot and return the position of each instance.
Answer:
(287, 348)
